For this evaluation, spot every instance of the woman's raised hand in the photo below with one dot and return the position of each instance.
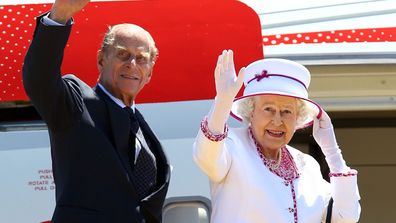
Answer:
(227, 83)
(63, 10)
(323, 133)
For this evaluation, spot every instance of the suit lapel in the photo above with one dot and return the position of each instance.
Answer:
(156, 148)
(152, 139)
(120, 129)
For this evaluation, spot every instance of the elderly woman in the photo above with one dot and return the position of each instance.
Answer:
(255, 176)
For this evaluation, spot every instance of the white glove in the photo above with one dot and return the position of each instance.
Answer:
(323, 133)
(227, 87)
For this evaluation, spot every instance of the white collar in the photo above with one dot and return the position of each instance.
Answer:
(116, 100)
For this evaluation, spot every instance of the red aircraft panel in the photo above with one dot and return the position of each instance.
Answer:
(189, 34)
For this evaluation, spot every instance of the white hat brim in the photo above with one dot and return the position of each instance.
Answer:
(312, 106)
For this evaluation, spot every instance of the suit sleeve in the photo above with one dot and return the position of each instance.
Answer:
(57, 100)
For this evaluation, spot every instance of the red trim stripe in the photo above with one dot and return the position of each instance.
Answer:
(334, 36)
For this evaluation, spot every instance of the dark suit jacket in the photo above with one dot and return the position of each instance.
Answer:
(89, 141)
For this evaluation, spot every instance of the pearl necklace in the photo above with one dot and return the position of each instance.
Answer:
(284, 167)
(272, 164)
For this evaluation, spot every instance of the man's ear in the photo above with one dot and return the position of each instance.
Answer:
(149, 76)
(100, 58)
(151, 72)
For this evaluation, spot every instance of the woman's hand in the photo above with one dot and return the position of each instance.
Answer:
(227, 83)
(63, 10)
(323, 133)
(227, 87)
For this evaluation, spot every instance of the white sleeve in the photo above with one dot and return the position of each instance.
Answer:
(212, 157)
(345, 193)
(49, 22)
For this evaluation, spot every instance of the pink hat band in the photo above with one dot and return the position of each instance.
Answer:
(264, 74)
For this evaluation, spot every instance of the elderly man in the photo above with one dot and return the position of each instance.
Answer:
(108, 165)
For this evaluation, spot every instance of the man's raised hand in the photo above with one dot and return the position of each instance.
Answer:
(63, 10)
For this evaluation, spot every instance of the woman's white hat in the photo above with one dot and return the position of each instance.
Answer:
(277, 77)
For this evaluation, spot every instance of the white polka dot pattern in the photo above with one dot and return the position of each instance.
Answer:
(16, 24)
(335, 36)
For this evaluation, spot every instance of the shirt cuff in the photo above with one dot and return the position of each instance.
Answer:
(49, 22)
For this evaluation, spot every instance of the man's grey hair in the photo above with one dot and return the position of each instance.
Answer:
(109, 38)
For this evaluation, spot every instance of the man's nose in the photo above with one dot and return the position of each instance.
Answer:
(131, 61)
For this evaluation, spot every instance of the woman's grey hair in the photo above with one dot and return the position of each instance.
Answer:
(246, 106)
(109, 38)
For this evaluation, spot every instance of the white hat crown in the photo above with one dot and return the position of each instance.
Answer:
(276, 77)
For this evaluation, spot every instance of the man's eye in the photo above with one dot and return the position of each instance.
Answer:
(123, 55)
(140, 59)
